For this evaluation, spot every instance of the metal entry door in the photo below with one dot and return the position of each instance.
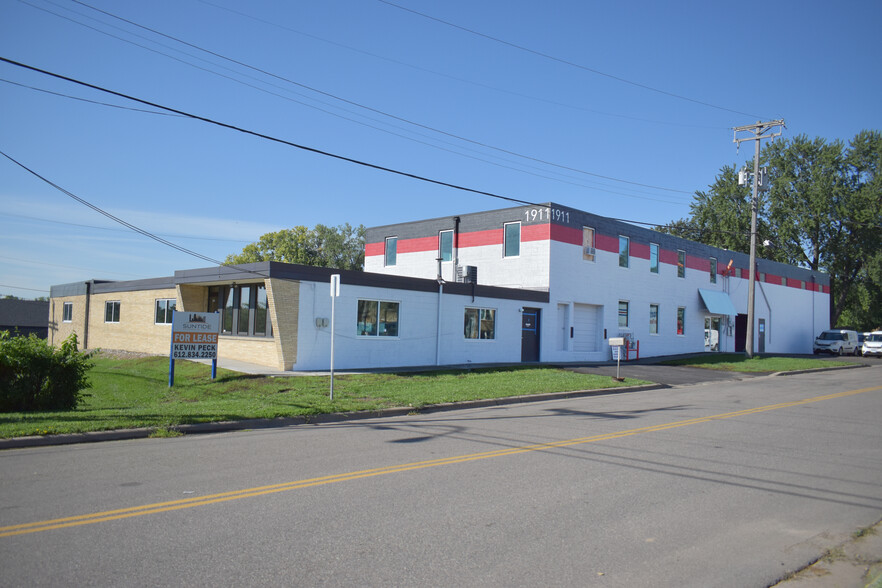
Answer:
(530, 334)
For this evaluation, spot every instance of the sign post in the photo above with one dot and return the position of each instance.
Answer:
(194, 336)
(617, 343)
(335, 293)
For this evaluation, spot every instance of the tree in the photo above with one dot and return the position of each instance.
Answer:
(721, 216)
(823, 212)
(339, 247)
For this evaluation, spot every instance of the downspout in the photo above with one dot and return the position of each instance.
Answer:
(455, 248)
(440, 295)
(86, 326)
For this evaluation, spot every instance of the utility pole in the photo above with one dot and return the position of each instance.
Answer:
(759, 131)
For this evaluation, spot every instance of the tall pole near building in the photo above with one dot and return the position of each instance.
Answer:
(759, 131)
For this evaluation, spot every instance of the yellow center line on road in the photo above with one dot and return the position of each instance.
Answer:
(135, 511)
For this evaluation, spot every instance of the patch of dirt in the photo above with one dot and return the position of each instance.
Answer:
(121, 354)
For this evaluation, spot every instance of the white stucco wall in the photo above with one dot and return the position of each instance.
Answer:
(416, 343)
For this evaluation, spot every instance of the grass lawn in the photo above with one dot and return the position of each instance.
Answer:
(132, 393)
(736, 362)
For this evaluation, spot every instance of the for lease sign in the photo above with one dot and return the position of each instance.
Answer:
(194, 335)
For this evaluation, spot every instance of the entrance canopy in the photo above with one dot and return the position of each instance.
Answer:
(717, 302)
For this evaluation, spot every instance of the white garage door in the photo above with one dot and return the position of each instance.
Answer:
(585, 327)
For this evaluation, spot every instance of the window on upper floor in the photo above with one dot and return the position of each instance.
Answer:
(681, 263)
(624, 251)
(653, 258)
(164, 309)
(111, 311)
(512, 239)
(445, 245)
(391, 250)
(713, 270)
(67, 312)
(479, 323)
(588, 251)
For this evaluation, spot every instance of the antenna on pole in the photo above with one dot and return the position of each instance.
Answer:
(758, 131)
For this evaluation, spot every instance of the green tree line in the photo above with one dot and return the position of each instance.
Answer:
(341, 247)
(823, 211)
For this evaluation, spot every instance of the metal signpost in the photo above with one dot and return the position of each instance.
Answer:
(617, 343)
(194, 336)
(335, 293)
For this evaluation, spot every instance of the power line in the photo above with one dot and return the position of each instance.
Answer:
(46, 220)
(371, 109)
(22, 288)
(268, 137)
(455, 78)
(110, 216)
(564, 61)
(85, 99)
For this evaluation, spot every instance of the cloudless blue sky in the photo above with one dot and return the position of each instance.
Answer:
(570, 101)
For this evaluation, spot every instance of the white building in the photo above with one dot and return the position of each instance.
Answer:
(531, 283)
(608, 278)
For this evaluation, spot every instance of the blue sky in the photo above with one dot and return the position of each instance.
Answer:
(622, 109)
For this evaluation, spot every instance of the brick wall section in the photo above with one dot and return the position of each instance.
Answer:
(58, 330)
(136, 329)
(259, 350)
(192, 298)
(284, 309)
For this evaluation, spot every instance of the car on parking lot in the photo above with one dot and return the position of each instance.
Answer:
(837, 342)
(872, 344)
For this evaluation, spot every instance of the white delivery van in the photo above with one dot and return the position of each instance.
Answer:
(837, 341)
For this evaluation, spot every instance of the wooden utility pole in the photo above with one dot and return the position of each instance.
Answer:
(759, 131)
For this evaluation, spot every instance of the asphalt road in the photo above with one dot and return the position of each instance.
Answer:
(733, 484)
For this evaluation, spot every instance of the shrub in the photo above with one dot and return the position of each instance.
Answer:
(37, 377)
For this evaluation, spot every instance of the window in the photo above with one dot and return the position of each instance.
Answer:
(164, 309)
(623, 314)
(377, 318)
(111, 311)
(653, 319)
(653, 258)
(713, 270)
(681, 321)
(243, 308)
(512, 245)
(681, 263)
(67, 312)
(391, 250)
(624, 246)
(480, 323)
(445, 245)
(588, 251)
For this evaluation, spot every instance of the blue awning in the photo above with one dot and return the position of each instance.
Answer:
(717, 302)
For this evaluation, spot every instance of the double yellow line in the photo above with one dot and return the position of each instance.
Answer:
(137, 511)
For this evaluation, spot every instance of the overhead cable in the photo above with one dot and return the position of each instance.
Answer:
(566, 62)
(374, 110)
(268, 137)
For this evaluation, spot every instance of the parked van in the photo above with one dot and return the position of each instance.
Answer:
(872, 344)
(837, 341)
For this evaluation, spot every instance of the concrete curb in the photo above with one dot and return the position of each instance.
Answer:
(822, 369)
(340, 417)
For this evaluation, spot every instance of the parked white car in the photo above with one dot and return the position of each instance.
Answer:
(838, 342)
(872, 344)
